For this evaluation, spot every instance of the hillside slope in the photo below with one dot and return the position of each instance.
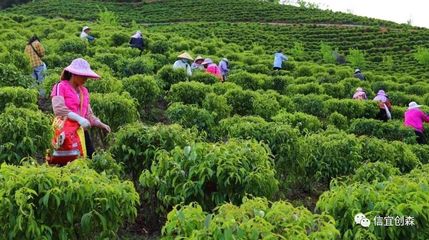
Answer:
(191, 10)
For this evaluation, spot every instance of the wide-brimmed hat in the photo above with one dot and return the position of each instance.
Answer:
(207, 61)
(381, 92)
(81, 67)
(185, 55)
(413, 105)
(85, 28)
(359, 89)
(357, 70)
(199, 57)
(225, 59)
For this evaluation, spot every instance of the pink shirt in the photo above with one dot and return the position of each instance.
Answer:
(414, 118)
(72, 97)
(214, 70)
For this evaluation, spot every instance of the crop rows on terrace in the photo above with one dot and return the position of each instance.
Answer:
(400, 44)
(188, 10)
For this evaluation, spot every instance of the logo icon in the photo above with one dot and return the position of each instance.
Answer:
(361, 219)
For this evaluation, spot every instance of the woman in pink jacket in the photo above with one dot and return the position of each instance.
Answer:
(212, 68)
(414, 117)
(70, 99)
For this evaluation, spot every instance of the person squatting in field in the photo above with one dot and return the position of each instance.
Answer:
(137, 41)
(212, 68)
(35, 52)
(183, 63)
(84, 35)
(358, 74)
(224, 68)
(196, 65)
(71, 101)
(279, 58)
(414, 117)
(384, 105)
(360, 94)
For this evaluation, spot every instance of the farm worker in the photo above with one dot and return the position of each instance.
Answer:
(197, 63)
(414, 117)
(359, 74)
(224, 68)
(84, 35)
(70, 99)
(384, 105)
(279, 58)
(212, 68)
(137, 41)
(183, 63)
(35, 51)
(359, 94)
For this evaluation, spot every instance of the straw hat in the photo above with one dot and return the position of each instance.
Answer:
(199, 58)
(413, 105)
(85, 28)
(185, 55)
(357, 70)
(225, 59)
(81, 67)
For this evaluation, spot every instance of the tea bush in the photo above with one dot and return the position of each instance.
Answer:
(326, 156)
(351, 108)
(281, 138)
(133, 66)
(72, 46)
(310, 104)
(169, 76)
(265, 105)
(191, 116)
(25, 133)
(114, 109)
(11, 76)
(211, 174)
(143, 88)
(104, 163)
(241, 101)
(188, 92)
(106, 85)
(304, 122)
(246, 80)
(72, 202)
(338, 120)
(253, 219)
(400, 196)
(398, 154)
(135, 144)
(203, 77)
(390, 131)
(376, 171)
(18, 96)
(217, 105)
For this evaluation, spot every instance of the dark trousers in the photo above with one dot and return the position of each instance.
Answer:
(89, 146)
(382, 115)
(421, 139)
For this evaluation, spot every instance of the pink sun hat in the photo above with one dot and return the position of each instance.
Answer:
(81, 67)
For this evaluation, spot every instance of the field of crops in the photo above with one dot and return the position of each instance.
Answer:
(265, 155)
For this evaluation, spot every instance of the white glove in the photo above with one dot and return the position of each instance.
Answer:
(83, 122)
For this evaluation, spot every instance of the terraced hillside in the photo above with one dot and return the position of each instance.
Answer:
(190, 10)
(266, 154)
